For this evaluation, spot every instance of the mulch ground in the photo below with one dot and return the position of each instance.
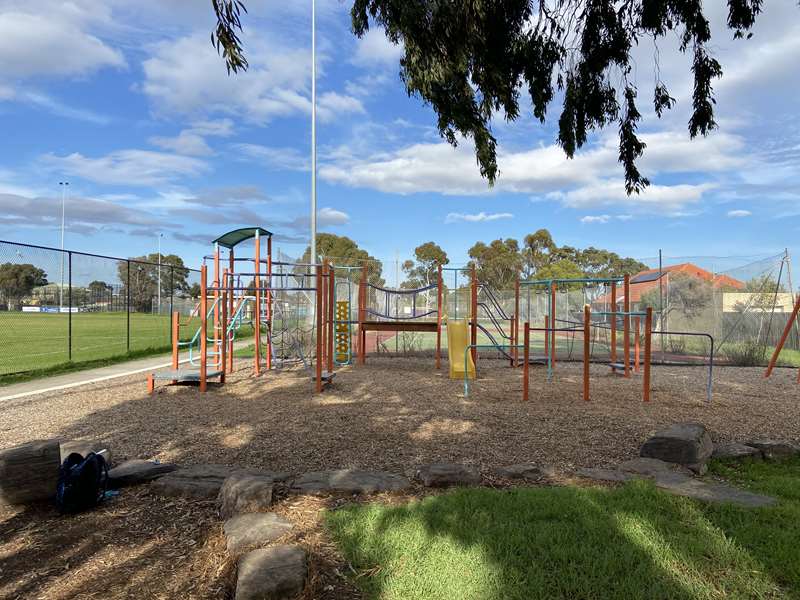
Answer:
(393, 414)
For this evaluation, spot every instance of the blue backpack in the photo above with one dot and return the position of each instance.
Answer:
(81, 482)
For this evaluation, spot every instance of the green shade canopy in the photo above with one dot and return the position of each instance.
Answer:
(237, 236)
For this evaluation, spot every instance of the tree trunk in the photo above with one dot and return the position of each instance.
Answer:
(29, 473)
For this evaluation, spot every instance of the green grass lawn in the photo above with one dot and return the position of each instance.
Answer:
(36, 344)
(567, 542)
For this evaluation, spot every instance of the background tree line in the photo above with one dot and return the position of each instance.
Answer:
(499, 262)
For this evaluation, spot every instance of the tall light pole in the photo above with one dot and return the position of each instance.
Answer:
(160, 235)
(313, 132)
(63, 185)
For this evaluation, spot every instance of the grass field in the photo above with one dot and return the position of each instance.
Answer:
(571, 542)
(39, 342)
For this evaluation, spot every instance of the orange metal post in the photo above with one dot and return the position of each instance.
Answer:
(331, 307)
(648, 325)
(587, 320)
(203, 326)
(515, 325)
(626, 323)
(526, 358)
(784, 336)
(230, 283)
(215, 283)
(439, 311)
(324, 332)
(257, 283)
(613, 321)
(269, 303)
(473, 338)
(151, 384)
(547, 336)
(636, 335)
(318, 357)
(553, 313)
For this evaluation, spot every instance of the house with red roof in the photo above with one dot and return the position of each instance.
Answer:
(651, 279)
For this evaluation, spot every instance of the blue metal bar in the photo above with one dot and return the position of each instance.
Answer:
(469, 347)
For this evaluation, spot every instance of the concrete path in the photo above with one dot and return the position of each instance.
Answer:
(84, 377)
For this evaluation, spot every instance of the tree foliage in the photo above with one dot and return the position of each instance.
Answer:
(144, 278)
(344, 252)
(18, 281)
(471, 61)
(497, 264)
(541, 252)
(424, 269)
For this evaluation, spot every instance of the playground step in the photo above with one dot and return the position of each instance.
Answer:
(184, 374)
(620, 366)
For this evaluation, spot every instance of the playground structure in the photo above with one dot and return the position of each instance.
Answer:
(230, 302)
(301, 314)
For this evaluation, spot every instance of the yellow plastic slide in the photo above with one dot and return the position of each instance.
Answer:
(457, 342)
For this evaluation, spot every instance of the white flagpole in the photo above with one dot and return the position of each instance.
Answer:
(313, 132)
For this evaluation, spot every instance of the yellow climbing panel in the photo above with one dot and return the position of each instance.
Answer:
(343, 352)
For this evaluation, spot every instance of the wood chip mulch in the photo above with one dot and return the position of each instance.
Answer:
(392, 415)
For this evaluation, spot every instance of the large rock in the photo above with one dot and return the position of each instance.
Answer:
(197, 482)
(448, 474)
(29, 473)
(772, 449)
(712, 492)
(204, 482)
(687, 444)
(244, 493)
(526, 471)
(136, 471)
(83, 448)
(251, 530)
(736, 451)
(350, 482)
(272, 573)
(652, 467)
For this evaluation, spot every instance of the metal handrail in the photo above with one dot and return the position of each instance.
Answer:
(499, 347)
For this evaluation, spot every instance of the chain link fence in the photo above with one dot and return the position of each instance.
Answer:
(67, 306)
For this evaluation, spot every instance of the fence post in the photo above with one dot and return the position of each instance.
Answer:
(128, 307)
(171, 288)
(69, 305)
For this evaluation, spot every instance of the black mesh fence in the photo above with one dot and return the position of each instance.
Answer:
(67, 306)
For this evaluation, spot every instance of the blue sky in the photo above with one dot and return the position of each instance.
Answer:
(128, 102)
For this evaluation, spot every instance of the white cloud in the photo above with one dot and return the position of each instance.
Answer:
(187, 76)
(738, 214)
(331, 216)
(60, 109)
(611, 192)
(281, 159)
(128, 167)
(545, 171)
(191, 141)
(185, 142)
(83, 214)
(596, 219)
(480, 217)
(45, 44)
(375, 49)
(332, 104)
